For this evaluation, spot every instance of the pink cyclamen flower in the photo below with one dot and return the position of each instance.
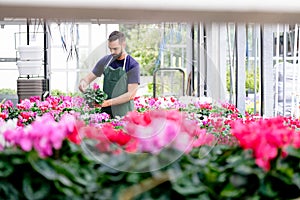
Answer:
(43, 135)
(159, 129)
(24, 104)
(96, 86)
(264, 137)
(296, 140)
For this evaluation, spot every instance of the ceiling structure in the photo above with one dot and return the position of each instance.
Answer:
(267, 11)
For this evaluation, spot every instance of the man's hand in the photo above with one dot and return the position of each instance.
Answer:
(106, 103)
(83, 85)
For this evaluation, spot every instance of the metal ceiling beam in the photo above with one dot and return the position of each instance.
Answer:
(267, 11)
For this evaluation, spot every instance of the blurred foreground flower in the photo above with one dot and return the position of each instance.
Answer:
(43, 135)
(266, 138)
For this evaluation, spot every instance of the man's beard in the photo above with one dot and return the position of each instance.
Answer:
(116, 56)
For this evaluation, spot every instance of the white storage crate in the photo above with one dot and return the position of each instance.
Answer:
(29, 67)
(30, 52)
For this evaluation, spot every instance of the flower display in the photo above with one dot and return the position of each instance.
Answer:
(179, 150)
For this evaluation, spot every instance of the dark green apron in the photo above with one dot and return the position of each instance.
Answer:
(115, 84)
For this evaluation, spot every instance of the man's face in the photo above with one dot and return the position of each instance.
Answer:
(116, 49)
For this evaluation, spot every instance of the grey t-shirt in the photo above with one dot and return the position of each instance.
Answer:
(132, 67)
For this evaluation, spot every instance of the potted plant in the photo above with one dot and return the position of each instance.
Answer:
(94, 96)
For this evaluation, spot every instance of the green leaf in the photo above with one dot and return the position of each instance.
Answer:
(44, 168)
(189, 189)
(296, 179)
(69, 172)
(72, 192)
(35, 188)
(8, 191)
(189, 184)
(18, 160)
(266, 189)
(133, 178)
(6, 168)
(243, 169)
(64, 180)
(293, 152)
(62, 174)
(238, 181)
(57, 170)
(231, 191)
(65, 190)
(203, 197)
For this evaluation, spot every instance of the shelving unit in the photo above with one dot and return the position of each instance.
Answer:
(35, 84)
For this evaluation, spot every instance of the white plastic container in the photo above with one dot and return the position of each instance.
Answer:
(29, 67)
(29, 52)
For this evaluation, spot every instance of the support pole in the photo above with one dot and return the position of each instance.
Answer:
(241, 67)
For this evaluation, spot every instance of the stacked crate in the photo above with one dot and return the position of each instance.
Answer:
(27, 88)
(30, 60)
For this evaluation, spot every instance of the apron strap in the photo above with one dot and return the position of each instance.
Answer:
(124, 65)
(109, 62)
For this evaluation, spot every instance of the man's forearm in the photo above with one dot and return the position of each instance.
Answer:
(89, 78)
(122, 98)
(84, 82)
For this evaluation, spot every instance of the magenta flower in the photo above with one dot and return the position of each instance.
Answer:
(265, 137)
(24, 141)
(296, 140)
(43, 135)
(204, 105)
(3, 115)
(34, 98)
(99, 118)
(7, 104)
(159, 129)
(24, 104)
(204, 138)
(96, 86)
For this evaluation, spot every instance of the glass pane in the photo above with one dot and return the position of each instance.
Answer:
(58, 58)
(63, 81)
(9, 79)
(8, 41)
(83, 34)
(58, 81)
(72, 64)
(72, 81)
(7, 66)
(85, 60)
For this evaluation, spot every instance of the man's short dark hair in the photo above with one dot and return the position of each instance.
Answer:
(116, 35)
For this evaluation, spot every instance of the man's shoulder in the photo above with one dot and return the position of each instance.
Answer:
(106, 58)
(102, 61)
(133, 61)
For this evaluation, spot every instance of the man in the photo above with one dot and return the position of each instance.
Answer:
(121, 77)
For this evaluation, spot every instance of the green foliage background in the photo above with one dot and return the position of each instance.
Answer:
(143, 44)
(249, 80)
